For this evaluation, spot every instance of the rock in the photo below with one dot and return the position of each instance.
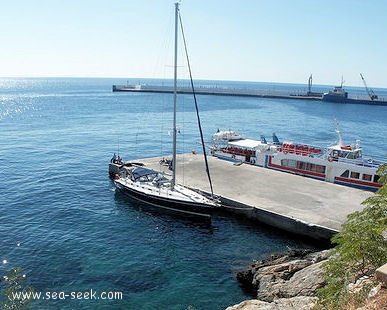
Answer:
(384, 234)
(305, 282)
(252, 304)
(381, 274)
(360, 284)
(306, 279)
(245, 279)
(270, 281)
(375, 290)
(316, 257)
(295, 303)
(294, 273)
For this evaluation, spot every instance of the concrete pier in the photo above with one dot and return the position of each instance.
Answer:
(217, 91)
(300, 205)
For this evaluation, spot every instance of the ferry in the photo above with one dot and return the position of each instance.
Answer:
(340, 163)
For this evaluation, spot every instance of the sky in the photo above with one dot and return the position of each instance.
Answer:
(242, 40)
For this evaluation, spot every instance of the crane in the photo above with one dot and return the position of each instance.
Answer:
(370, 92)
(310, 81)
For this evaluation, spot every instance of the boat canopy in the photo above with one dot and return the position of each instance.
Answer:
(246, 143)
(227, 135)
(144, 174)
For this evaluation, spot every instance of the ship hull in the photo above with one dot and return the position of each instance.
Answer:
(338, 172)
(340, 99)
(175, 205)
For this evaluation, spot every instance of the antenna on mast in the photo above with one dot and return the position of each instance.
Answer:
(339, 132)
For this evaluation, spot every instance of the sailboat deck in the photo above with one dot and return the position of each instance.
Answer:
(290, 202)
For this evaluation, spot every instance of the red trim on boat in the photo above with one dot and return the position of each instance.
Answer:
(358, 182)
(295, 170)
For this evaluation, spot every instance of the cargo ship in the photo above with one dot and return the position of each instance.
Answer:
(340, 95)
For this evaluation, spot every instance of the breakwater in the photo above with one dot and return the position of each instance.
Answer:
(218, 91)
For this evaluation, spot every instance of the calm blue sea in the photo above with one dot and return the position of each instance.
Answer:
(77, 234)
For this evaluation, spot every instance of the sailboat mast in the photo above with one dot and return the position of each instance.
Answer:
(175, 100)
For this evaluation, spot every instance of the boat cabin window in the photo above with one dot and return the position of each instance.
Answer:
(354, 155)
(320, 168)
(355, 175)
(346, 154)
(345, 174)
(335, 153)
(367, 177)
(376, 178)
(343, 154)
(291, 163)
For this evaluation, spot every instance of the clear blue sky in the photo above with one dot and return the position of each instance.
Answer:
(247, 40)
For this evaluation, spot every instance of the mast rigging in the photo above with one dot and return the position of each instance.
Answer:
(196, 108)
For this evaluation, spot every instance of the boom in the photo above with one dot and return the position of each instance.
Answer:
(370, 92)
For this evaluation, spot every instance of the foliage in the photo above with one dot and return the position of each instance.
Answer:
(360, 248)
(14, 284)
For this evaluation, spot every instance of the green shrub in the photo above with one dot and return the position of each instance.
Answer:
(360, 249)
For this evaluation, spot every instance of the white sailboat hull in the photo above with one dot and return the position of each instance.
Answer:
(179, 199)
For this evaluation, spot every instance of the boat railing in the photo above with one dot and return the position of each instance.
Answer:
(365, 162)
(238, 151)
(299, 149)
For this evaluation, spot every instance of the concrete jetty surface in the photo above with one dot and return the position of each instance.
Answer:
(297, 204)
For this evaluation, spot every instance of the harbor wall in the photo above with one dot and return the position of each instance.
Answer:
(217, 91)
(288, 224)
(305, 207)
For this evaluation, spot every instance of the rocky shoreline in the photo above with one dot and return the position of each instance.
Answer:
(283, 281)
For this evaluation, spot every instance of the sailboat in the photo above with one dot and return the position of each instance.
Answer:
(154, 187)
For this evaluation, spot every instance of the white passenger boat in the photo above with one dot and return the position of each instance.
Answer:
(340, 163)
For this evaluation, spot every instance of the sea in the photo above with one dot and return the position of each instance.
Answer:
(79, 241)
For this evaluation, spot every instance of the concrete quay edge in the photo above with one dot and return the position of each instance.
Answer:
(303, 206)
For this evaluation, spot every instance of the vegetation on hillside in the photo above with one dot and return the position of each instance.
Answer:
(360, 248)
